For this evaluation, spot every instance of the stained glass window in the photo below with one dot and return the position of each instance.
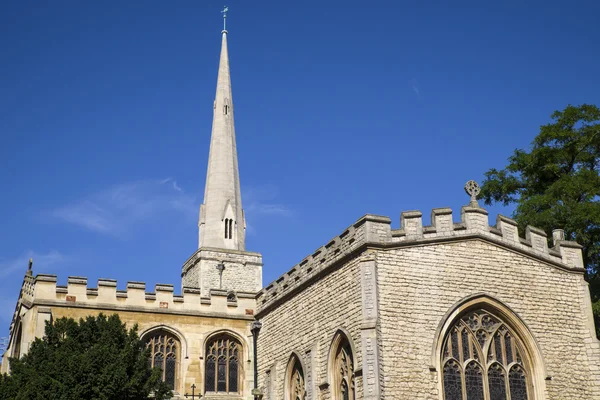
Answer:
(345, 394)
(474, 381)
(465, 344)
(164, 354)
(296, 384)
(210, 375)
(498, 348)
(170, 367)
(479, 335)
(343, 370)
(233, 374)
(518, 383)
(497, 382)
(508, 347)
(455, 343)
(452, 381)
(223, 365)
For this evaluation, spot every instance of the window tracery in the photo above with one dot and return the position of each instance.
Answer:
(296, 384)
(482, 360)
(164, 354)
(343, 369)
(223, 355)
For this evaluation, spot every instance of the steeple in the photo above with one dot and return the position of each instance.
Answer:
(221, 223)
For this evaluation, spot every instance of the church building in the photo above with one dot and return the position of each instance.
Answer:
(458, 310)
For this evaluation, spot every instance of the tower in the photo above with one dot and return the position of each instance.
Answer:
(221, 261)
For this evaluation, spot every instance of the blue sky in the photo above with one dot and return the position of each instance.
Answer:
(342, 108)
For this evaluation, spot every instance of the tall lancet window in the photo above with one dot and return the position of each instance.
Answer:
(223, 367)
(228, 228)
(164, 354)
(342, 368)
(483, 359)
(295, 385)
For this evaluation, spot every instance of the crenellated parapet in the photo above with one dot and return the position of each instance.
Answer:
(370, 229)
(373, 231)
(135, 297)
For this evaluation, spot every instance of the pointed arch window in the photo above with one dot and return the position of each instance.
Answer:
(228, 228)
(223, 369)
(342, 369)
(296, 386)
(17, 346)
(165, 350)
(482, 359)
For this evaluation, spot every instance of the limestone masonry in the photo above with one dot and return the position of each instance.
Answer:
(450, 311)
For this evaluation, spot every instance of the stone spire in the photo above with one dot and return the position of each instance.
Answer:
(221, 223)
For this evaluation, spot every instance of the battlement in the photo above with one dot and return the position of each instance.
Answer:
(375, 231)
(43, 290)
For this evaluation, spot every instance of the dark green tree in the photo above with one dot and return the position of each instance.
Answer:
(556, 184)
(97, 358)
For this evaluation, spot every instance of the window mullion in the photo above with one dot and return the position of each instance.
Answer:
(507, 384)
(486, 384)
(463, 381)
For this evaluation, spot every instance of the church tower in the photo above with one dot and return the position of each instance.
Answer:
(222, 262)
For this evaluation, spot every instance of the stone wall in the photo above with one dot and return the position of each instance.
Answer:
(242, 272)
(419, 285)
(305, 325)
(391, 289)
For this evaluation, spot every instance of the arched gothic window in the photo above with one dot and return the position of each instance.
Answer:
(296, 386)
(228, 228)
(17, 346)
(482, 359)
(165, 350)
(342, 373)
(223, 367)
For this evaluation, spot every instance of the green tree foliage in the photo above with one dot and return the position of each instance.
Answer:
(97, 358)
(556, 184)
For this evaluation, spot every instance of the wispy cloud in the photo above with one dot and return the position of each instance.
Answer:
(43, 261)
(114, 210)
(414, 84)
(260, 201)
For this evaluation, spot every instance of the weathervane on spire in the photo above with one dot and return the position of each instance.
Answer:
(224, 12)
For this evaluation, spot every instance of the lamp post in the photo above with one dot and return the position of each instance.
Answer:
(255, 328)
(221, 268)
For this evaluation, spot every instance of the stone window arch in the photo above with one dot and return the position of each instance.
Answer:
(165, 353)
(341, 368)
(482, 358)
(16, 353)
(295, 385)
(223, 367)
